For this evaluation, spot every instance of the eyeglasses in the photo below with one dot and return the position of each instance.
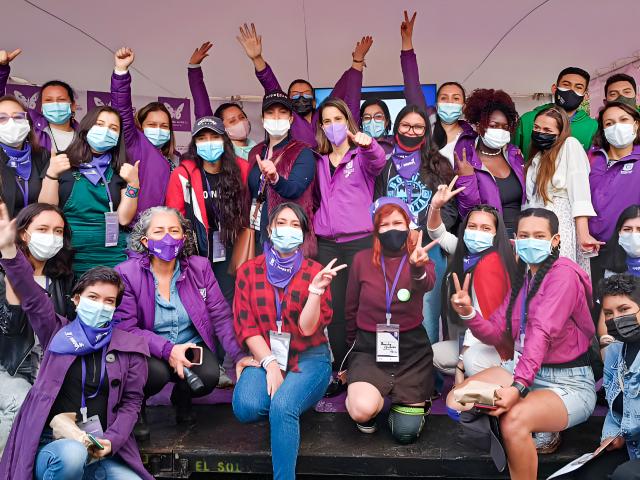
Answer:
(296, 96)
(17, 117)
(378, 117)
(407, 127)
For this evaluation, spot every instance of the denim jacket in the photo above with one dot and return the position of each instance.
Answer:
(615, 373)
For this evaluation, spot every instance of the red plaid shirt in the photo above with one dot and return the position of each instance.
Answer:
(254, 306)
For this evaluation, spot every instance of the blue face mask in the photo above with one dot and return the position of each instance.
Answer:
(101, 139)
(373, 128)
(210, 151)
(477, 241)
(157, 136)
(286, 239)
(449, 112)
(94, 314)
(533, 251)
(56, 113)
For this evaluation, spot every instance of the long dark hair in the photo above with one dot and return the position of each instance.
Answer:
(299, 212)
(439, 135)
(435, 169)
(168, 148)
(31, 137)
(231, 194)
(516, 285)
(385, 110)
(80, 152)
(60, 264)
(600, 140)
(615, 257)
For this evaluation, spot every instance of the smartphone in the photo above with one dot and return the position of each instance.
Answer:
(95, 442)
(194, 355)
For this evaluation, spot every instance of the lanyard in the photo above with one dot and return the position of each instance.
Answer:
(279, 307)
(106, 185)
(389, 294)
(523, 320)
(103, 367)
(24, 190)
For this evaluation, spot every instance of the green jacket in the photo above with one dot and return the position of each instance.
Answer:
(583, 127)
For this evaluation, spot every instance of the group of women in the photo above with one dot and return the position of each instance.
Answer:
(120, 273)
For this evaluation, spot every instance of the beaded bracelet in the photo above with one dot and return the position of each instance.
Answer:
(132, 192)
(264, 363)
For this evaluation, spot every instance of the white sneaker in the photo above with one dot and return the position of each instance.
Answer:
(224, 381)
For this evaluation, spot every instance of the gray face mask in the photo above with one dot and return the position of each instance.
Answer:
(631, 101)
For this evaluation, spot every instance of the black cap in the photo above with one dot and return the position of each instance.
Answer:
(208, 123)
(484, 431)
(276, 97)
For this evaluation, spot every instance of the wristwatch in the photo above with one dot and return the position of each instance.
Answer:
(522, 390)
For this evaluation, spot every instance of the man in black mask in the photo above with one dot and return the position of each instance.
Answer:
(569, 91)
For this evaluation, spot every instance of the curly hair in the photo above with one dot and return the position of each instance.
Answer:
(484, 101)
(141, 228)
(621, 285)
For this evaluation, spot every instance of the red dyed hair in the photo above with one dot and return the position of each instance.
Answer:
(382, 212)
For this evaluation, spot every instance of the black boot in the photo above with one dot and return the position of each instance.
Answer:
(181, 399)
(141, 428)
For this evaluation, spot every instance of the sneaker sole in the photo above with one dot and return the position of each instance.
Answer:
(366, 429)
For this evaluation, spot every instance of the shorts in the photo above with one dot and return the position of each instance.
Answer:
(575, 386)
(408, 381)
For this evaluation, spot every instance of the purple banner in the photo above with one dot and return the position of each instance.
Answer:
(180, 110)
(28, 95)
(97, 99)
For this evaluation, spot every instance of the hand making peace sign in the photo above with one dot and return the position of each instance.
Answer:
(420, 256)
(324, 277)
(461, 301)
(445, 193)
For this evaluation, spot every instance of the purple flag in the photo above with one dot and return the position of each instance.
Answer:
(28, 95)
(180, 110)
(97, 99)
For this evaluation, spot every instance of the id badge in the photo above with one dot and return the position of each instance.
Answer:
(387, 343)
(92, 426)
(280, 347)
(518, 349)
(111, 229)
(255, 222)
(218, 252)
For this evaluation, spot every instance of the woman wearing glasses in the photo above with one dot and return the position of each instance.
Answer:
(22, 161)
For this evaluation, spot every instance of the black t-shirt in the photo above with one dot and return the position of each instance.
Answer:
(511, 198)
(211, 202)
(70, 395)
(630, 353)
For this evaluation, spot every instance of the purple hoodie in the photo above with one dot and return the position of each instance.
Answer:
(612, 190)
(127, 374)
(154, 168)
(559, 337)
(199, 293)
(40, 124)
(348, 89)
(481, 187)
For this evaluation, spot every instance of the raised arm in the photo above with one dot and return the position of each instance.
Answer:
(372, 154)
(5, 59)
(409, 63)
(201, 104)
(252, 44)
(128, 204)
(121, 94)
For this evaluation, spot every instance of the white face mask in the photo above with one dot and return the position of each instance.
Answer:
(496, 138)
(621, 135)
(14, 132)
(276, 128)
(44, 246)
(630, 242)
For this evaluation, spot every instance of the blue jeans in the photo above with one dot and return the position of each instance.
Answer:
(299, 392)
(66, 459)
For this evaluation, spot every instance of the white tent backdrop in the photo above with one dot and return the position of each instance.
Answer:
(478, 43)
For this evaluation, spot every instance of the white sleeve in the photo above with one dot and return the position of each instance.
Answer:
(448, 241)
(469, 339)
(577, 168)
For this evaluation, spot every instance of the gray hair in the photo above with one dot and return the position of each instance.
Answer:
(141, 228)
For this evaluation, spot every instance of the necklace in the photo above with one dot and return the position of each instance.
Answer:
(490, 154)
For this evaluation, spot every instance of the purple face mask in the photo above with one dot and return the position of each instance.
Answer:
(336, 132)
(167, 248)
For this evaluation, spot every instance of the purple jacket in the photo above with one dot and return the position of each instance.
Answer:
(549, 338)
(40, 124)
(154, 167)
(481, 187)
(127, 374)
(199, 293)
(412, 88)
(346, 196)
(612, 190)
(201, 104)
(348, 89)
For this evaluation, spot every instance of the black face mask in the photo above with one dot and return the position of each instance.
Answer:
(543, 141)
(624, 328)
(393, 240)
(409, 142)
(568, 100)
(302, 106)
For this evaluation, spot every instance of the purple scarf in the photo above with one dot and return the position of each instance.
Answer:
(95, 169)
(280, 270)
(77, 338)
(19, 160)
(407, 163)
(633, 266)
(470, 261)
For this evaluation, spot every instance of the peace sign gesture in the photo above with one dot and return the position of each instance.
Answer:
(445, 193)
(420, 256)
(7, 233)
(268, 169)
(463, 167)
(406, 31)
(461, 301)
(324, 277)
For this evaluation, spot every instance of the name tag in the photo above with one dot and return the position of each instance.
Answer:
(387, 343)
(255, 217)
(218, 252)
(280, 343)
(92, 426)
(111, 229)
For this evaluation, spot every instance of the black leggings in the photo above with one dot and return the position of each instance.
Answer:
(161, 373)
